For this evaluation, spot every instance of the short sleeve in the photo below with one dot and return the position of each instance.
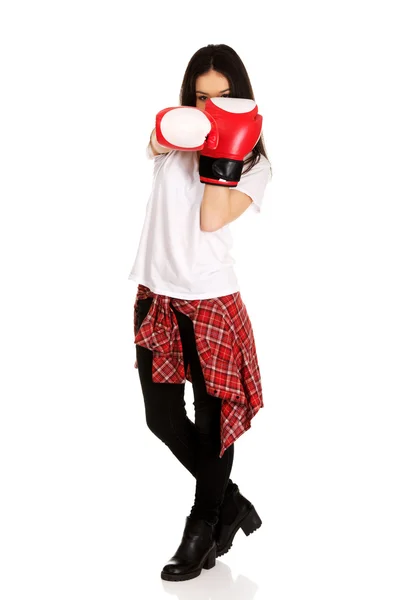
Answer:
(149, 152)
(254, 182)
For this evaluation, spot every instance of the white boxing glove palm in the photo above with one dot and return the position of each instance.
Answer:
(186, 128)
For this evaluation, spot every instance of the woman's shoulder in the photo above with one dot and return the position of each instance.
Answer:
(176, 156)
(262, 166)
(263, 162)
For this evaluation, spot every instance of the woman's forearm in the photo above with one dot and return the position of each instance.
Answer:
(214, 210)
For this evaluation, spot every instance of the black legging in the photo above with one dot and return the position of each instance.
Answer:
(196, 445)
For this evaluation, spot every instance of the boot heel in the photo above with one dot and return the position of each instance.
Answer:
(210, 560)
(251, 522)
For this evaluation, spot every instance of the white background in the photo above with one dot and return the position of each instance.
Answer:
(92, 503)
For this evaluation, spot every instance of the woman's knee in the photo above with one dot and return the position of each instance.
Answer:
(158, 423)
(208, 418)
(209, 433)
(166, 425)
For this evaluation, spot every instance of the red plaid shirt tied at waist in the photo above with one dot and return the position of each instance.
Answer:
(226, 348)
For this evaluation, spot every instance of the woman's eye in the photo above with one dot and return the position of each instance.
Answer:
(225, 96)
(202, 97)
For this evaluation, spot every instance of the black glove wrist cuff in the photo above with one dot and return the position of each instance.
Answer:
(220, 168)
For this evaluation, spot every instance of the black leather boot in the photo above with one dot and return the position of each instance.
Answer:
(196, 551)
(236, 512)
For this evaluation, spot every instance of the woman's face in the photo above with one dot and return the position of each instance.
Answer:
(211, 85)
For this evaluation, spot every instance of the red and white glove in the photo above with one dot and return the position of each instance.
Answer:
(186, 128)
(239, 127)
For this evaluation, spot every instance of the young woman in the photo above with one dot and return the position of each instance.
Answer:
(190, 322)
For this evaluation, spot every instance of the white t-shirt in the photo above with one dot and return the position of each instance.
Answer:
(175, 257)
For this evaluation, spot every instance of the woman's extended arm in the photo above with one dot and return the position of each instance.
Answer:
(156, 148)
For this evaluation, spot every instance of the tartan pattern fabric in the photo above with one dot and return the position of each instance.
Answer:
(226, 348)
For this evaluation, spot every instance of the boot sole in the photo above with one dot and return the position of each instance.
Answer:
(208, 563)
(249, 524)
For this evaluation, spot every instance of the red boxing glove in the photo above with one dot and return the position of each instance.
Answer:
(186, 128)
(239, 128)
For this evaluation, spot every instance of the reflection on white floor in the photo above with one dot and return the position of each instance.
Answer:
(216, 584)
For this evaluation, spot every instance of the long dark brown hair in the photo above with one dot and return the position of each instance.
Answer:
(224, 60)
